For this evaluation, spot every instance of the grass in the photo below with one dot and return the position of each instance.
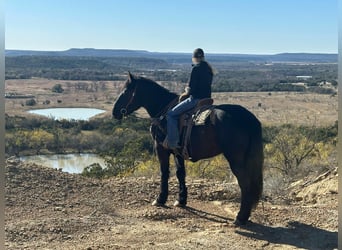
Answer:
(272, 108)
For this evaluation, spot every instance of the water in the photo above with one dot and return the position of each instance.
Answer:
(70, 163)
(68, 113)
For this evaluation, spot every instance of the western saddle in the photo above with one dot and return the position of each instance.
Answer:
(194, 117)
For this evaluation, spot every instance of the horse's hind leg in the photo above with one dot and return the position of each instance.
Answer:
(246, 203)
(180, 172)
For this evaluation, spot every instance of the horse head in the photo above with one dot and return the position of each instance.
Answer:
(127, 102)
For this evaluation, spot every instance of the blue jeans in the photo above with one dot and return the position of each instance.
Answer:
(173, 117)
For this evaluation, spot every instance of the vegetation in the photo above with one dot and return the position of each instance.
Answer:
(290, 151)
(292, 147)
(57, 88)
(126, 146)
(30, 102)
(75, 68)
(231, 76)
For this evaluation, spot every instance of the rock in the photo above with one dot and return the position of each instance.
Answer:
(217, 203)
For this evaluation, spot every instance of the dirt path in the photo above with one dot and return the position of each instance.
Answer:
(48, 209)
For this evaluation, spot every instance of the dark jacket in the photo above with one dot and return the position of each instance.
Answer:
(200, 80)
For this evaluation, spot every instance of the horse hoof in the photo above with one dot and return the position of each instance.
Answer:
(178, 204)
(156, 203)
(239, 223)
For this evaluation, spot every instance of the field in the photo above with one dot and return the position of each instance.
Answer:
(76, 94)
(272, 108)
(49, 209)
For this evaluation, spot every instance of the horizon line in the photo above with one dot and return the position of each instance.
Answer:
(172, 52)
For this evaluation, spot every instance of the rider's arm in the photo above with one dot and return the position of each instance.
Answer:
(194, 81)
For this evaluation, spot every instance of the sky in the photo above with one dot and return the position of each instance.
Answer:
(217, 26)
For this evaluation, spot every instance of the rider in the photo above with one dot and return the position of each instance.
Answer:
(198, 88)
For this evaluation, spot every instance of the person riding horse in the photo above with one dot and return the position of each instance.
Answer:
(232, 131)
(199, 87)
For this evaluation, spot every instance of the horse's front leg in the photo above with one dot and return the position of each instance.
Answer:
(180, 172)
(164, 160)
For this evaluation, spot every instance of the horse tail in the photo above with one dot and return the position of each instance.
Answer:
(254, 165)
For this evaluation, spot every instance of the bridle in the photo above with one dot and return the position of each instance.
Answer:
(123, 111)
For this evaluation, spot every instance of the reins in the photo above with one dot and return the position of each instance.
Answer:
(163, 112)
(161, 115)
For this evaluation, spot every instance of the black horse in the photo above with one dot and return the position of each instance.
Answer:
(235, 132)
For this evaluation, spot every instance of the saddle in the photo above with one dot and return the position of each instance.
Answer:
(199, 115)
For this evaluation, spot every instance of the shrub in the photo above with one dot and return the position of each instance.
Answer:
(149, 167)
(213, 168)
(94, 170)
(39, 139)
(290, 147)
(30, 102)
(57, 88)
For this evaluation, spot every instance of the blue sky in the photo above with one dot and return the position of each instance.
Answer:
(218, 26)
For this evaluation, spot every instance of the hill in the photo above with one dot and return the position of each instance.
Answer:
(49, 209)
(181, 57)
(235, 72)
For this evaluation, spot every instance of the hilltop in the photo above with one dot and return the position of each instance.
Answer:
(49, 209)
(172, 57)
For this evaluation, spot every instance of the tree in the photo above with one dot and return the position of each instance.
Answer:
(16, 143)
(57, 88)
(40, 139)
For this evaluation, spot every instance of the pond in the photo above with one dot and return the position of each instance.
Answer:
(70, 163)
(68, 113)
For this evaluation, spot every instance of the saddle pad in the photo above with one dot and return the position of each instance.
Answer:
(201, 117)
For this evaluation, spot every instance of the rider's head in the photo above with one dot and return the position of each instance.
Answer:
(198, 55)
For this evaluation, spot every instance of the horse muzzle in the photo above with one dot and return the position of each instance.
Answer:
(119, 114)
(123, 111)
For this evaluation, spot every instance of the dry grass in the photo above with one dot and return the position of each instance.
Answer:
(41, 89)
(286, 107)
(272, 109)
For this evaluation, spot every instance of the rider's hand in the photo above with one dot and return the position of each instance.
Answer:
(183, 96)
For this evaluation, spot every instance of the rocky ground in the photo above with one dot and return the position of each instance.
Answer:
(49, 209)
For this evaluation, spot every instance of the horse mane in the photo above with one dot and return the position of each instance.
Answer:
(151, 82)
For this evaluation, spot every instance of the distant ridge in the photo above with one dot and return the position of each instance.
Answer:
(77, 52)
(181, 57)
(311, 57)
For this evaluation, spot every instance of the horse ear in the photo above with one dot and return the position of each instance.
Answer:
(130, 76)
